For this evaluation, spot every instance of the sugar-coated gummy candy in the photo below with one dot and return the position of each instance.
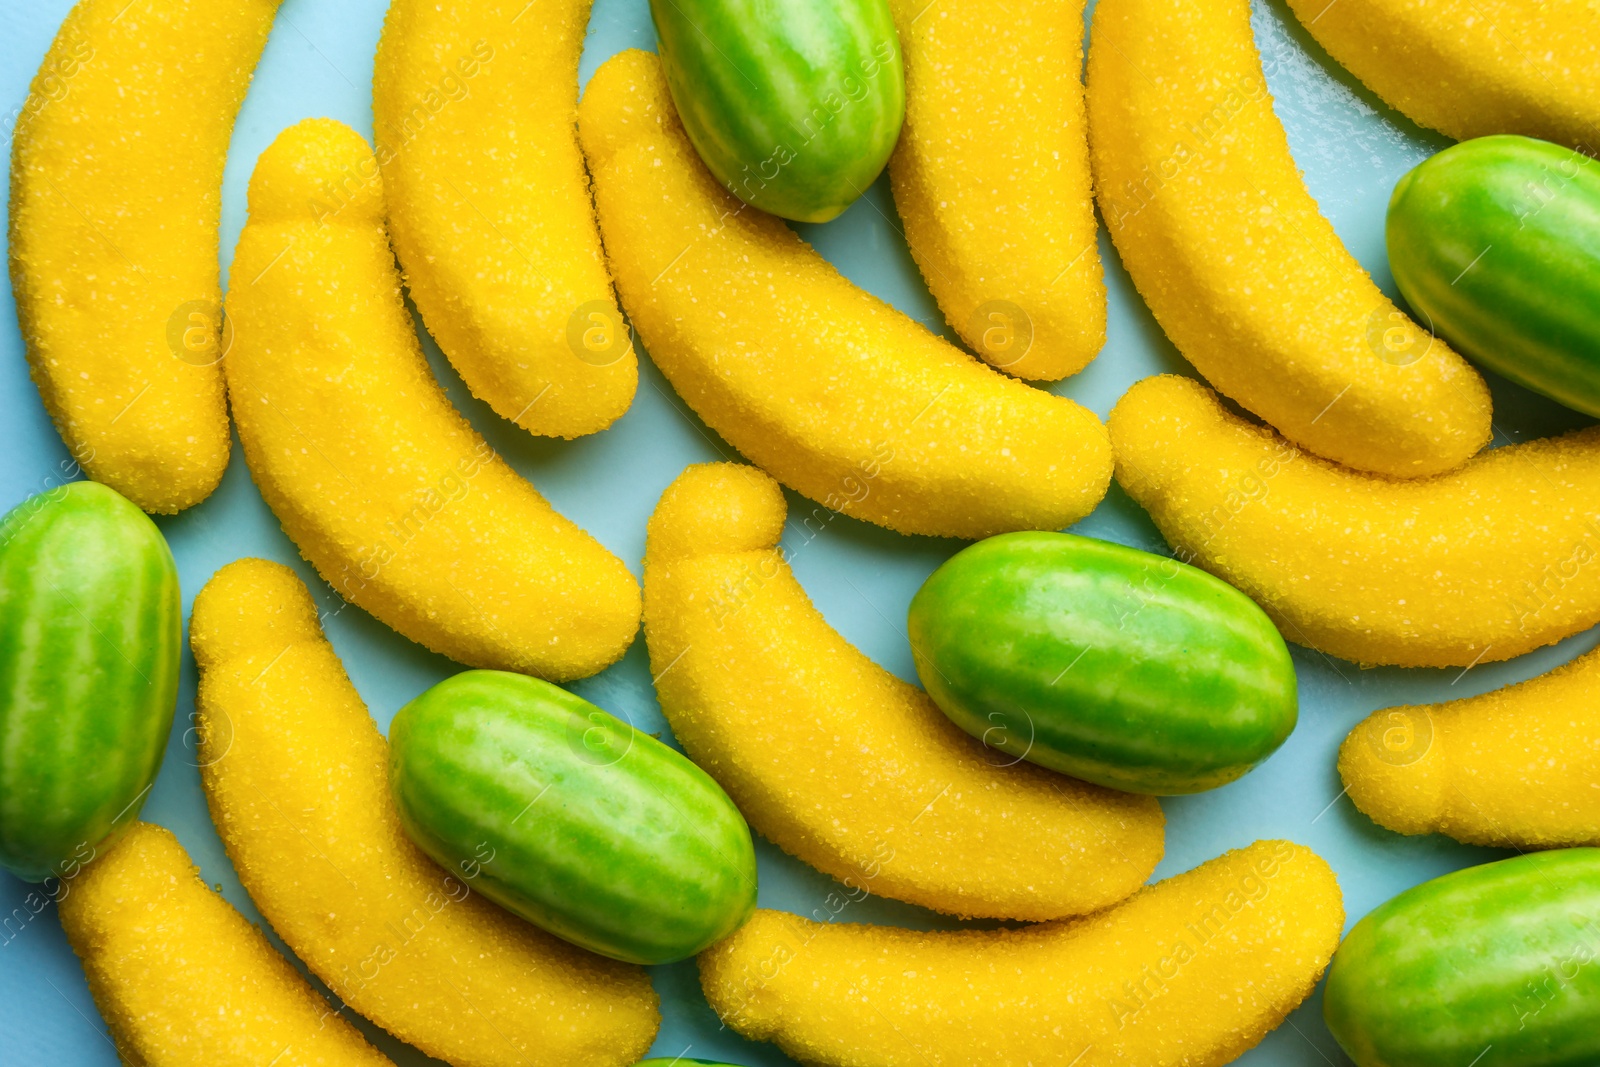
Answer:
(296, 776)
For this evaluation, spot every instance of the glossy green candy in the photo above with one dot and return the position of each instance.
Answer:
(570, 818)
(1497, 242)
(1103, 662)
(91, 630)
(1497, 966)
(793, 105)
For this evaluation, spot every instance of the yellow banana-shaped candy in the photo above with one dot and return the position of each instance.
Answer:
(838, 761)
(296, 775)
(116, 195)
(991, 177)
(830, 390)
(1479, 565)
(1215, 226)
(184, 980)
(384, 487)
(1473, 67)
(475, 110)
(1518, 767)
(1190, 972)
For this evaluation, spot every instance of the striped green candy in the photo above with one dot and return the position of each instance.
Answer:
(1120, 667)
(793, 105)
(1497, 966)
(90, 636)
(1496, 241)
(571, 818)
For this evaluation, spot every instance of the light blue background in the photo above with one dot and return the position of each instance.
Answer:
(319, 62)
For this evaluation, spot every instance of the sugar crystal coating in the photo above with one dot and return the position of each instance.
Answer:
(296, 776)
(116, 195)
(1517, 767)
(475, 110)
(1216, 228)
(827, 388)
(991, 179)
(1482, 564)
(1470, 68)
(400, 505)
(1189, 972)
(184, 980)
(839, 762)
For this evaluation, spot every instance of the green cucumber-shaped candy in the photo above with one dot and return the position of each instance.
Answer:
(1497, 241)
(570, 818)
(793, 105)
(1497, 965)
(1100, 661)
(91, 630)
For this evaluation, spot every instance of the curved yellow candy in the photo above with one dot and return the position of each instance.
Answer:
(1483, 564)
(1240, 268)
(296, 775)
(474, 109)
(184, 980)
(384, 487)
(1518, 767)
(830, 390)
(1473, 67)
(991, 178)
(1190, 972)
(116, 195)
(838, 761)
